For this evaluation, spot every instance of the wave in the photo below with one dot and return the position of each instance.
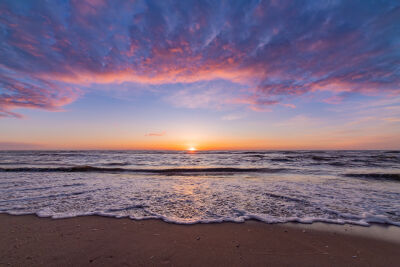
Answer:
(377, 176)
(393, 152)
(117, 164)
(151, 171)
(320, 158)
(363, 220)
(281, 159)
(126, 208)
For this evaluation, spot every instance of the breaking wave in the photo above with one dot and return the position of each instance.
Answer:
(151, 171)
(378, 176)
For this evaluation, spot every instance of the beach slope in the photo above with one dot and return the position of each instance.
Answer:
(100, 241)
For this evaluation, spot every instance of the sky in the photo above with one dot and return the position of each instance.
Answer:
(99, 74)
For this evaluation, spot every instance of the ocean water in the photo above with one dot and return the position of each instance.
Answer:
(359, 187)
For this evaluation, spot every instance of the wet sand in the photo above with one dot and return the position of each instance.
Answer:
(100, 241)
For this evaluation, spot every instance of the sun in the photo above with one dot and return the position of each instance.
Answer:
(192, 149)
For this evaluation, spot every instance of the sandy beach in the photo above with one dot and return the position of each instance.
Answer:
(101, 241)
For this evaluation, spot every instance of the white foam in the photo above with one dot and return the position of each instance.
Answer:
(271, 198)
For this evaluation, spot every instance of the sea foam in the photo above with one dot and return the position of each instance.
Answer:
(207, 187)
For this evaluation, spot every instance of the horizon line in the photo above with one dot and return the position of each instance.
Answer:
(199, 150)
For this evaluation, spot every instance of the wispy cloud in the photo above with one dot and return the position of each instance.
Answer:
(18, 146)
(300, 121)
(156, 134)
(278, 50)
(232, 117)
(392, 119)
(288, 105)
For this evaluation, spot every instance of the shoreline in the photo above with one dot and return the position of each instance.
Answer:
(316, 221)
(376, 230)
(32, 240)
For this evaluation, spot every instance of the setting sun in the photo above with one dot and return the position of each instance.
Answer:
(191, 148)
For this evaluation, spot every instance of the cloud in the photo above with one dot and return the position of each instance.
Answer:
(215, 95)
(232, 117)
(18, 146)
(201, 98)
(288, 105)
(277, 50)
(299, 121)
(26, 92)
(255, 102)
(392, 119)
(336, 99)
(156, 134)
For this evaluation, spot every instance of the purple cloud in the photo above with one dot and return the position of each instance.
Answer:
(277, 49)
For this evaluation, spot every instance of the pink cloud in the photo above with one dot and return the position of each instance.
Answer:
(156, 134)
(32, 93)
(277, 50)
(392, 119)
(336, 99)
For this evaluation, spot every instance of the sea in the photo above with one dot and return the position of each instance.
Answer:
(356, 187)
